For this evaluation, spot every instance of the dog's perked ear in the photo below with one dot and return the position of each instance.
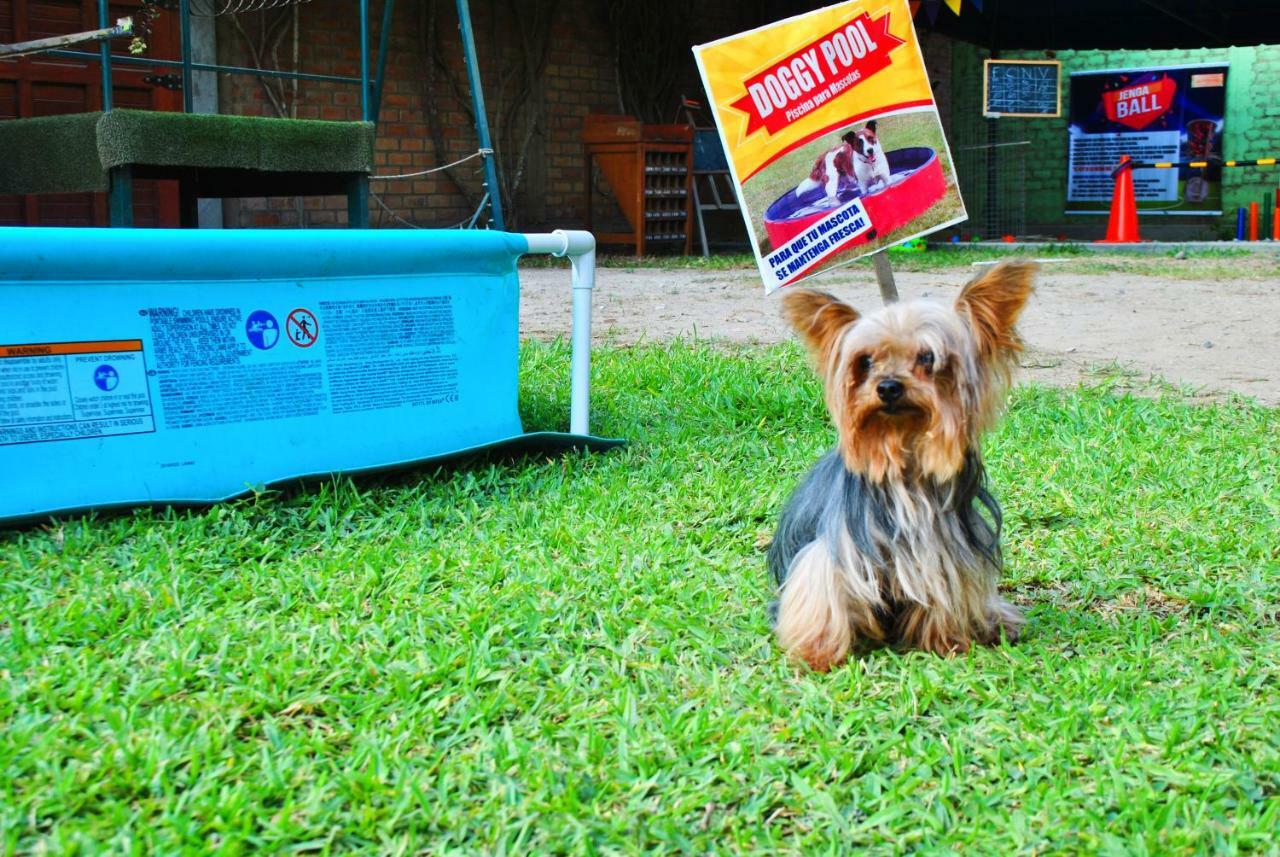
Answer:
(871, 126)
(992, 303)
(819, 318)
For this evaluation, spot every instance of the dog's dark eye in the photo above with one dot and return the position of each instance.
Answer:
(864, 363)
(925, 359)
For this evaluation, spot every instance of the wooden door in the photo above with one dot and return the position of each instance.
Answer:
(42, 85)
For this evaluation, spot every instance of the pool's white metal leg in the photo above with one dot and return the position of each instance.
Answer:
(580, 247)
(584, 280)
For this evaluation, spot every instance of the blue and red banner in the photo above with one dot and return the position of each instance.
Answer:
(1154, 115)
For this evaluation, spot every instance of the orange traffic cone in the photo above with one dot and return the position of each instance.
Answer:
(1122, 227)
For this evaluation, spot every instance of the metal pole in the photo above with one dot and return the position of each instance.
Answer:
(365, 112)
(123, 27)
(384, 40)
(125, 59)
(482, 121)
(580, 247)
(584, 280)
(104, 56)
(884, 276)
(991, 212)
(184, 21)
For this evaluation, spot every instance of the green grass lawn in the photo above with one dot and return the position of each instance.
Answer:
(572, 655)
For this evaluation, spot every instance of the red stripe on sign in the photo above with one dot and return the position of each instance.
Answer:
(822, 70)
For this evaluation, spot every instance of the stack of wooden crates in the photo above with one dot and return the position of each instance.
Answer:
(648, 168)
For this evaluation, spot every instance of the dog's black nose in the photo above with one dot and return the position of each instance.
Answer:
(890, 390)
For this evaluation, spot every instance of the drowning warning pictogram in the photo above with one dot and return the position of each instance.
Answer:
(302, 328)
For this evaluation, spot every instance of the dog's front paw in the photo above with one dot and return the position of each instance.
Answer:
(1003, 620)
(931, 630)
(819, 642)
(813, 623)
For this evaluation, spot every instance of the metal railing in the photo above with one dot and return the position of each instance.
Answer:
(370, 90)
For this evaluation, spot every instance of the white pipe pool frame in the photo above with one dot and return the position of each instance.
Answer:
(580, 247)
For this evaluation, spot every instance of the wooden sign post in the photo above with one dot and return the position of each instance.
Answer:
(884, 276)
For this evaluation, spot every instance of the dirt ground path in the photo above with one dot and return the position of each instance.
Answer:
(1214, 335)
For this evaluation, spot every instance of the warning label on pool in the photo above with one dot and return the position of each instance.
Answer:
(218, 366)
(302, 327)
(391, 352)
(223, 365)
(207, 375)
(829, 126)
(53, 391)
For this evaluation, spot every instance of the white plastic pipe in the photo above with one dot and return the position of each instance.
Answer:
(580, 247)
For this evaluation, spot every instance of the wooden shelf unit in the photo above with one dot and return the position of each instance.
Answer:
(649, 168)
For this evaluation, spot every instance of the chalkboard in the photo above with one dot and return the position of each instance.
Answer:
(1021, 88)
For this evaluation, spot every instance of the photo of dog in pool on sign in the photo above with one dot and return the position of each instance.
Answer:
(856, 158)
(884, 179)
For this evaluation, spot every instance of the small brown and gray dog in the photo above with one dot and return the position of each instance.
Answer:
(886, 540)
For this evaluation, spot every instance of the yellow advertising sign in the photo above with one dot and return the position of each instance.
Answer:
(832, 136)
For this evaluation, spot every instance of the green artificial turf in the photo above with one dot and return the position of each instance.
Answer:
(544, 655)
(236, 142)
(73, 152)
(51, 154)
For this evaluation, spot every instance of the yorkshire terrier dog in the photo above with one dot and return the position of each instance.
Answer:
(885, 541)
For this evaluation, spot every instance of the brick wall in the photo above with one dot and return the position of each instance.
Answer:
(1252, 129)
(579, 77)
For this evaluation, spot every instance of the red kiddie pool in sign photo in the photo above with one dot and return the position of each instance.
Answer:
(916, 182)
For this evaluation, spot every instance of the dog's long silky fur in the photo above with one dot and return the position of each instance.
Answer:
(893, 537)
(916, 564)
